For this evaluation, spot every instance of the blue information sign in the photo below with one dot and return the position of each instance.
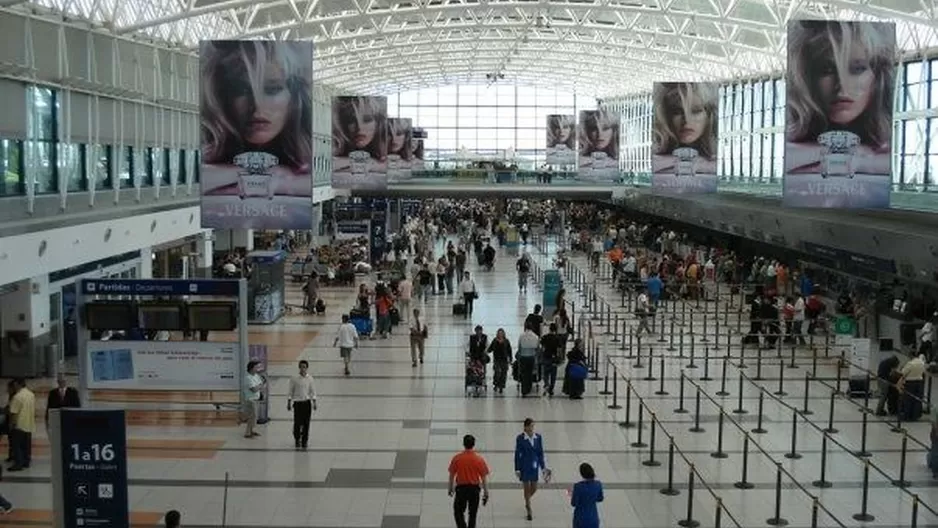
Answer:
(93, 451)
(553, 282)
(221, 287)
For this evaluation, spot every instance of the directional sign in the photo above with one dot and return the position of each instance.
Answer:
(89, 469)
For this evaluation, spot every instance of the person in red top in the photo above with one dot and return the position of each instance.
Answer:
(383, 305)
(468, 479)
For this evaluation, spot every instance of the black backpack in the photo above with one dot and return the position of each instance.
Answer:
(523, 266)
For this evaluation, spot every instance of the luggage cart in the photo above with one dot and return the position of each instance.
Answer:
(475, 378)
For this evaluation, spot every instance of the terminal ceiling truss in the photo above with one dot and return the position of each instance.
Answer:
(599, 47)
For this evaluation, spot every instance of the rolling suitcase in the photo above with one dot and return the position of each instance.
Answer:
(459, 309)
(395, 317)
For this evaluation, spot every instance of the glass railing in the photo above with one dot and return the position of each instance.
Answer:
(903, 197)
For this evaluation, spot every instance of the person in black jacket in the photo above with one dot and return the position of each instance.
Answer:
(535, 320)
(478, 345)
(552, 354)
(884, 374)
(572, 387)
(500, 348)
(62, 397)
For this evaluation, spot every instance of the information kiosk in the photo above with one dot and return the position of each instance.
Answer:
(155, 335)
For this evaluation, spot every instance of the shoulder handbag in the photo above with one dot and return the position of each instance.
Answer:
(475, 294)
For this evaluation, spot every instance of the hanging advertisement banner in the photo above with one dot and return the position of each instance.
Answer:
(561, 140)
(162, 365)
(839, 109)
(599, 146)
(684, 138)
(257, 134)
(360, 135)
(400, 153)
(417, 162)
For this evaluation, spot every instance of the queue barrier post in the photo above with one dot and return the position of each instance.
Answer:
(865, 515)
(744, 483)
(689, 522)
(822, 482)
(778, 520)
(670, 490)
(759, 429)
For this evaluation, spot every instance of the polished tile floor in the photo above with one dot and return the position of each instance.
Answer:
(382, 438)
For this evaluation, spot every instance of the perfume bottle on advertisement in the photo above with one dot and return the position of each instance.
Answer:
(255, 179)
(838, 148)
(359, 161)
(685, 162)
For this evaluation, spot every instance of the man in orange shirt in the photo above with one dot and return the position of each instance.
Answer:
(468, 475)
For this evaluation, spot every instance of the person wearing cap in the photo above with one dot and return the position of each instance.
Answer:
(468, 480)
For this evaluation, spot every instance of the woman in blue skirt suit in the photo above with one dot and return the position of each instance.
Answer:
(529, 462)
(586, 493)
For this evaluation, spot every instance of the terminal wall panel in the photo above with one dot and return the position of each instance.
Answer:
(33, 254)
(103, 47)
(13, 50)
(107, 114)
(76, 54)
(45, 50)
(13, 116)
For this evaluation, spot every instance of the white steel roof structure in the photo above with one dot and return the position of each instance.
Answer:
(602, 47)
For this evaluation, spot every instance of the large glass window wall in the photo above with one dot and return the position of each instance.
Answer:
(485, 120)
(752, 122)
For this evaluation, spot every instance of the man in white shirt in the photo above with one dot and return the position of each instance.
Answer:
(798, 320)
(405, 291)
(468, 290)
(346, 340)
(643, 312)
(301, 400)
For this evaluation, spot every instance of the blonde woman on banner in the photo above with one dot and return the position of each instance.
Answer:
(256, 123)
(684, 139)
(840, 86)
(599, 144)
(359, 142)
(399, 151)
(561, 139)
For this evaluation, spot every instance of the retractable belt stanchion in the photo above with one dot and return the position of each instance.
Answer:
(670, 490)
(739, 398)
(706, 372)
(781, 379)
(606, 391)
(915, 501)
(661, 338)
(596, 376)
(862, 452)
(680, 397)
(865, 515)
(651, 365)
(615, 330)
(794, 454)
(830, 415)
(661, 391)
(805, 410)
(901, 482)
(627, 423)
(705, 328)
(638, 443)
(689, 521)
(823, 482)
(697, 428)
(742, 352)
(615, 394)
(719, 453)
(744, 483)
(651, 462)
(759, 366)
(759, 429)
(777, 520)
(671, 339)
(722, 391)
(638, 351)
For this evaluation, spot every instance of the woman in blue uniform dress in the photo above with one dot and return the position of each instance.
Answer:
(529, 462)
(586, 493)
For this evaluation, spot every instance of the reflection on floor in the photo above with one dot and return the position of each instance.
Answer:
(382, 438)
